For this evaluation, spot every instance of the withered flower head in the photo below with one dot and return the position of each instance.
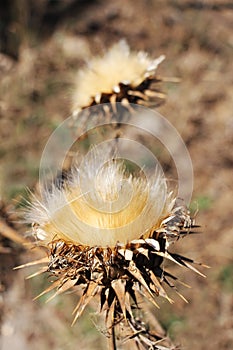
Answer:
(109, 231)
(119, 76)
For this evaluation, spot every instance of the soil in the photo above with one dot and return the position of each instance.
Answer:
(35, 97)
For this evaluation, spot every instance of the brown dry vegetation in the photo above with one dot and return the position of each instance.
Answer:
(35, 90)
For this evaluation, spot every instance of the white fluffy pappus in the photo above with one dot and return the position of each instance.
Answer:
(104, 74)
(100, 204)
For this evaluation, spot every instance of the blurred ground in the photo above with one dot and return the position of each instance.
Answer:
(35, 90)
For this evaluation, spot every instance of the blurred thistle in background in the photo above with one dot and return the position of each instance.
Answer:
(119, 76)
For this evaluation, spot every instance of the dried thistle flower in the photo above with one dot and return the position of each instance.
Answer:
(110, 232)
(119, 76)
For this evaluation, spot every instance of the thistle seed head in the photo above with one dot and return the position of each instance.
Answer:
(101, 205)
(110, 232)
(119, 76)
